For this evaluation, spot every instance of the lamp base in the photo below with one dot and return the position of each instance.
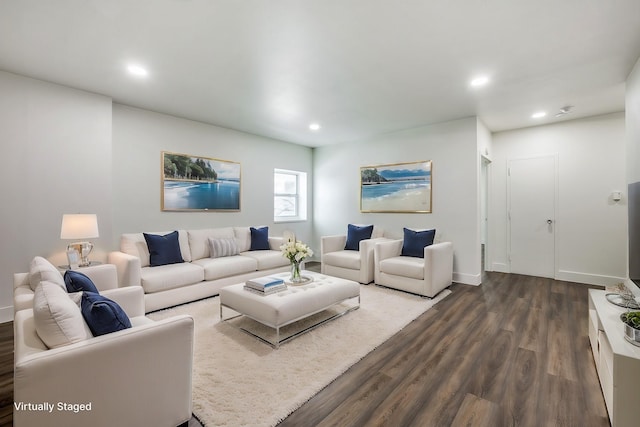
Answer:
(83, 249)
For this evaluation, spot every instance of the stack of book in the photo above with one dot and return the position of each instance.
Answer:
(265, 285)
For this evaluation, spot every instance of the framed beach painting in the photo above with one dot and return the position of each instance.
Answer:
(196, 183)
(398, 187)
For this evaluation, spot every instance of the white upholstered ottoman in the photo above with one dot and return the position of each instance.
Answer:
(286, 307)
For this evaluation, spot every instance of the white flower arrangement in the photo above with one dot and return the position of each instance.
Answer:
(295, 251)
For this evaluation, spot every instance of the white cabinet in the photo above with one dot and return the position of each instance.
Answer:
(617, 361)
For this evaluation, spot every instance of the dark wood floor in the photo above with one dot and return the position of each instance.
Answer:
(6, 374)
(511, 352)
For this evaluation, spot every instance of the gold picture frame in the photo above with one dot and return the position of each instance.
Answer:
(198, 183)
(396, 188)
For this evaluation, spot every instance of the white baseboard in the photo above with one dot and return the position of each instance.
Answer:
(6, 314)
(590, 279)
(467, 279)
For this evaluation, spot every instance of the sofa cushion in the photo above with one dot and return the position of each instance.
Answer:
(267, 259)
(164, 249)
(135, 244)
(199, 240)
(243, 238)
(405, 266)
(156, 279)
(223, 247)
(78, 282)
(57, 318)
(40, 269)
(217, 268)
(103, 315)
(415, 241)
(259, 239)
(344, 259)
(355, 234)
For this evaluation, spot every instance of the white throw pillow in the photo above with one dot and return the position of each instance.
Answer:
(222, 247)
(58, 319)
(40, 269)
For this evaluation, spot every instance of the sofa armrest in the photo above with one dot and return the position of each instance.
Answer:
(438, 262)
(367, 245)
(138, 376)
(104, 276)
(22, 293)
(275, 243)
(332, 243)
(387, 249)
(130, 298)
(128, 268)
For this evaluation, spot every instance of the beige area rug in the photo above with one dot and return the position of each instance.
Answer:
(241, 381)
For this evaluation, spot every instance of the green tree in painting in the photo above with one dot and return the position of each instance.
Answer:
(371, 175)
(177, 166)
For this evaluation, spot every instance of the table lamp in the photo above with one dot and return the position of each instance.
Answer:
(80, 227)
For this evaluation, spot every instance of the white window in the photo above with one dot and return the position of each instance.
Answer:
(289, 195)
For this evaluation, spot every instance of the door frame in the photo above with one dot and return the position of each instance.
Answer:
(556, 200)
(485, 191)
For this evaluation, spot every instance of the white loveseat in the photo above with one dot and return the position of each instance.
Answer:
(200, 275)
(133, 377)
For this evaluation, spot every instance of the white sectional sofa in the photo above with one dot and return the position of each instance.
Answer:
(200, 275)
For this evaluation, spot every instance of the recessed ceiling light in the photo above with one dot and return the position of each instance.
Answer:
(479, 81)
(137, 70)
(538, 115)
(314, 126)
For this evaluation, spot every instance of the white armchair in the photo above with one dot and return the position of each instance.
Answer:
(104, 276)
(423, 276)
(132, 377)
(348, 264)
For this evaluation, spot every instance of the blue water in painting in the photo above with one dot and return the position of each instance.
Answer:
(390, 188)
(207, 195)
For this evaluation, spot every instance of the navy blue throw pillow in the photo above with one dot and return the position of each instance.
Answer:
(355, 234)
(163, 250)
(415, 242)
(102, 314)
(259, 239)
(78, 282)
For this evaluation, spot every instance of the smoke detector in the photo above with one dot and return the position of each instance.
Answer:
(564, 110)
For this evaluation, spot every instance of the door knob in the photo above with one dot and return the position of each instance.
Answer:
(549, 221)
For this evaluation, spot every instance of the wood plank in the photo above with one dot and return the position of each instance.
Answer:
(488, 359)
(476, 412)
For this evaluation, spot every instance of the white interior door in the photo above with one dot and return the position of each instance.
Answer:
(532, 184)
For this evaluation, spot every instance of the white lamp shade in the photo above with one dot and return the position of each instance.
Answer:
(79, 226)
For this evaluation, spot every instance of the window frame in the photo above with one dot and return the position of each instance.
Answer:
(300, 196)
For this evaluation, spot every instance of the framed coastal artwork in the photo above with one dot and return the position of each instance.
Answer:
(196, 183)
(398, 187)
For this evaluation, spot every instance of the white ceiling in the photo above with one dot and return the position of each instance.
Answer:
(357, 67)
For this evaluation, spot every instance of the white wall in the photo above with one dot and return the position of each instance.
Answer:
(632, 112)
(632, 120)
(590, 227)
(56, 146)
(452, 147)
(139, 136)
